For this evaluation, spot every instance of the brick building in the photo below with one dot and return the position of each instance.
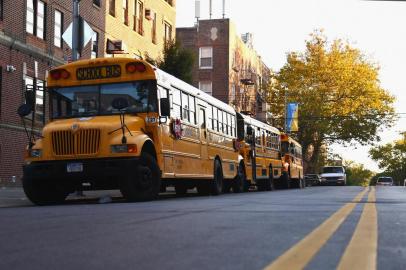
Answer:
(31, 43)
(227, 65)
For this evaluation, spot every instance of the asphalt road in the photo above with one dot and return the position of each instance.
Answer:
(314, 228)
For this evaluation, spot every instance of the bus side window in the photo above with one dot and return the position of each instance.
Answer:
(192, 106)
(209, 112)
(202, 118)
(176, 109)
(185, 107)
(215, 119)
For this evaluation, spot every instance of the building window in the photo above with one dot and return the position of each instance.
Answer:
(39, 107)
(139, 17)
(206, 86)
(35, 21)
(167, 33)
(112, 7)
(95, 45)
(206, 57)
(125, 12)
(96, 3)
(58, 26)
(153, 34)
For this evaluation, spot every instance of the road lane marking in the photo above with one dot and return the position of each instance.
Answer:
(361, 252)
(299, 255)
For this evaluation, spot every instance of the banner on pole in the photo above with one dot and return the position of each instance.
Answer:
(292, 117)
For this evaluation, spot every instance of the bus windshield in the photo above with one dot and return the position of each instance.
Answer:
(92, 100)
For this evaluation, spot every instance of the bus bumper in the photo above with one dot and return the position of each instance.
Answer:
(82, 171)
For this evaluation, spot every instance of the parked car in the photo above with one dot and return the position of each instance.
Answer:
(384, 181)
(333, 175)
(312, 179)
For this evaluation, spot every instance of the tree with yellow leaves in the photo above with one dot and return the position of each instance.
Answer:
(339, 95)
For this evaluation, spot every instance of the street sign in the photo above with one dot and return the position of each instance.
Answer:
(85, 34)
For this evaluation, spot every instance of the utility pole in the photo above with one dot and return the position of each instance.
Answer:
(75, 30)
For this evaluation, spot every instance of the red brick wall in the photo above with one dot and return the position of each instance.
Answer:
(13, 139)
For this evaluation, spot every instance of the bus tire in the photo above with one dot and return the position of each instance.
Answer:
(217, 183)
(285, 180)
(145, 184)
(240, 183)
(43, 192)
(227, 185)
(271, 180)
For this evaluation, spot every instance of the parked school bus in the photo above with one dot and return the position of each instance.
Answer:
(119, 123)
(260, 149)
(292, 162)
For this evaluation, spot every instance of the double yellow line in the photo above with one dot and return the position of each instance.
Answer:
(360, 252)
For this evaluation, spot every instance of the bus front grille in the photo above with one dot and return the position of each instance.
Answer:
(82, 142)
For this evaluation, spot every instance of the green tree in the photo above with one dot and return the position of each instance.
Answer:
(177, 61)
(339, 95)
(391, 158)
(357, 174)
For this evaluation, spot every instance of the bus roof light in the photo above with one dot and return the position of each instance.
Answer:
(131, 67)
(135, 67)
(58, 74)
(141, 67)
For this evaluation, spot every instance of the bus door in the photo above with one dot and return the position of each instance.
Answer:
(203, 136)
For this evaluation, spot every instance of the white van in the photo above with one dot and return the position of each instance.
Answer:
(333, 175)
(384, 181)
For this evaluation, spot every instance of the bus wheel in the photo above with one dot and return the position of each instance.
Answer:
(240, 183)
(146, 184)
(271, 185)
(227, 185)
(181, 189)
(285, 180)
(217, 183)
(43, 192)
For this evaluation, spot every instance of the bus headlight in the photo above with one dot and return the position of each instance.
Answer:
(35, 153)
(123, 148)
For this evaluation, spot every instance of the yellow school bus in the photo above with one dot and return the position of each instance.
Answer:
(260, 149)
(120, 123)
(292, 162)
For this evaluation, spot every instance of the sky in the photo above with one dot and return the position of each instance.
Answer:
(279, 26)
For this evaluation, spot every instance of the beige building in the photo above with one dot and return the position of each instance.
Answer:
(143, 25)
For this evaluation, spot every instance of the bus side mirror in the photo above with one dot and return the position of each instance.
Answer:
(249, 130)
(165, 107)
(24, 110)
